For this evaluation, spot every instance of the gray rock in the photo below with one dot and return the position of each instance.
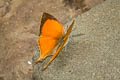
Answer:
(92, 56)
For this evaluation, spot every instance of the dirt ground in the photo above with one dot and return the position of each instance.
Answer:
(19, 28)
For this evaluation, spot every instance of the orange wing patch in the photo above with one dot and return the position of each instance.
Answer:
(46, 45)
(53, 29)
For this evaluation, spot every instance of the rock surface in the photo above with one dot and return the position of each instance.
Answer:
(95, 55)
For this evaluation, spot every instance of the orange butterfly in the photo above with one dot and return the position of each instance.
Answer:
(52, 38)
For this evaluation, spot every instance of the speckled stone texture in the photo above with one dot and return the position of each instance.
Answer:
(95, 55)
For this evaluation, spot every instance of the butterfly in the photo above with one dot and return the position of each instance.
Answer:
(52, 38)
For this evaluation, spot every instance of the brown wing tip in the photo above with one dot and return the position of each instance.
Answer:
(45, 17)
